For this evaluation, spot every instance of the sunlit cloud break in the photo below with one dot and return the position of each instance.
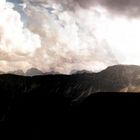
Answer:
(66, 35)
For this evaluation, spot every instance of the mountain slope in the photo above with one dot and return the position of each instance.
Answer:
(33, 72)
(49, 99)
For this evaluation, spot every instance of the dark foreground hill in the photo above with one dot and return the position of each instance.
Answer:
(54, 101)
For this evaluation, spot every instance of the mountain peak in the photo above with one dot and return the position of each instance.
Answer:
(80, 71)
(33, 72)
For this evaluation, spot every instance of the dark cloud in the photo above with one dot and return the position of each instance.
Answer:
(122, 7)
(127, 7)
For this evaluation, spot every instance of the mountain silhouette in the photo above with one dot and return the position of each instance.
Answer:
(33, 72)
(51, 100)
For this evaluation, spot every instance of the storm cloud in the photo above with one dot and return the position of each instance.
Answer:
(122, 7)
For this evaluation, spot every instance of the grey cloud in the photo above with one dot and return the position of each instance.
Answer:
(15, 1)
(124, 7)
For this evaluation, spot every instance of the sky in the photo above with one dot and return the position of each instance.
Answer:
(67, 35)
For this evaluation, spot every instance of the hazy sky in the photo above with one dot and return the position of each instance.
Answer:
(64, 35)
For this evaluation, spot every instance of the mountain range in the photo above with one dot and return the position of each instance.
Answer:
(30, 72)
(125, 78)
(47, 100)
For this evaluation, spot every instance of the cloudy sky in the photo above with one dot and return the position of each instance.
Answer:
(66, 35)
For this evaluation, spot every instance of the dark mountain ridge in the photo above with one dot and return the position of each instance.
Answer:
(48, 100)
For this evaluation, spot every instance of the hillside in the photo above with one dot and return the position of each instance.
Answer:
(43, 100)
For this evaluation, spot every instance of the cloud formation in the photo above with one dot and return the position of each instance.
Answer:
(122, 7)
(62, 35)
(53, 39)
